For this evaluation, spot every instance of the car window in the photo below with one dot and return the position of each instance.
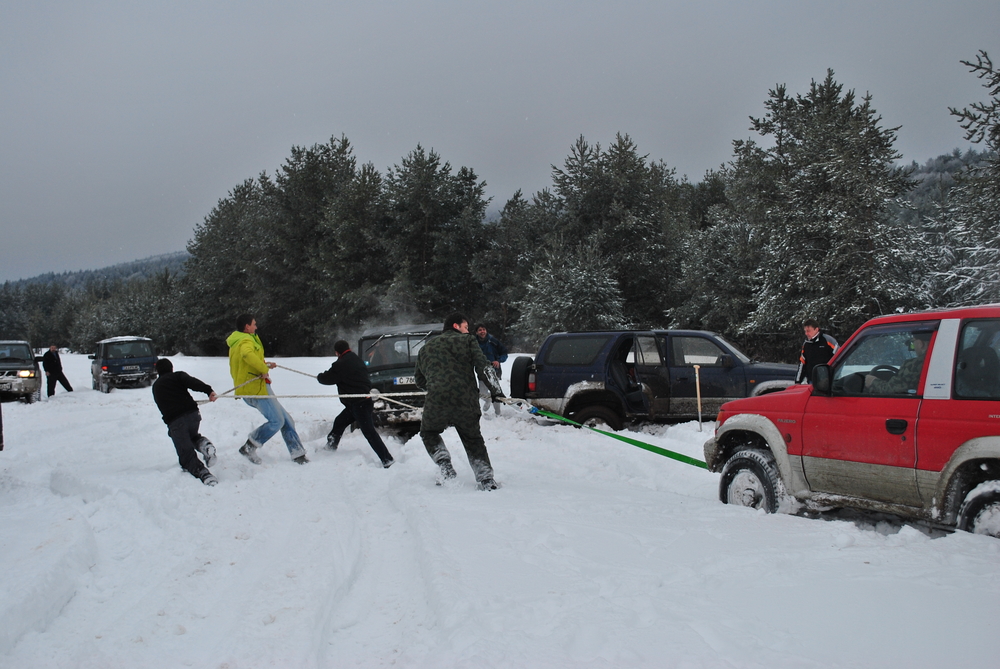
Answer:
(395, 351)
(576, 350)
(19, 352)
(884, 361)
(648, 353)
(688, 351)
(129, 349)
(977, 365)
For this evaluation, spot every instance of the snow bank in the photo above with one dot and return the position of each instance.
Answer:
(593, 554)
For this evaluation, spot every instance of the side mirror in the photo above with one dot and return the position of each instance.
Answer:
(821, 380)
(91, 356)
(726, 360)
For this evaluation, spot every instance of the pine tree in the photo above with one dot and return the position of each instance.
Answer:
(571, 289)
(970, 228)
(821, 196)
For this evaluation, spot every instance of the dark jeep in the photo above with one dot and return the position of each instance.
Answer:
(617, 377)
(390, 354)
(20, 377)
(123, 362)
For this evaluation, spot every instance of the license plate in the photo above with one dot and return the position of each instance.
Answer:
(404, 381)
(5, 386)
(129, 368)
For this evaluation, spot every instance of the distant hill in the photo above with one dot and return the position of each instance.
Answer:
(136, 269)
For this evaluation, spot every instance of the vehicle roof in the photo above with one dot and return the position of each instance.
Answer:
(115, 339)
(420, 328)
(654, 330)
(14, 341)
(977, 311)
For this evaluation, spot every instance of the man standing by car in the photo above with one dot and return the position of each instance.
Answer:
(444, 369)
(250, 374)
(348, 373)
(180, 413)
(495, 353)
(817, 349)
(54, 371)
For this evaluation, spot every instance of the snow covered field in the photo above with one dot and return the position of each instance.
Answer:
(593, 554)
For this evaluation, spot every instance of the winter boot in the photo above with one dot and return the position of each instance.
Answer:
(249, 450)
(208, 478)
(302, 459)
(332, 441)
(446, 474)
(388, 463)
(488, 484)
(207, 450)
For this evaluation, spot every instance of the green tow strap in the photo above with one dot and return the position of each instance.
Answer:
(634, 442)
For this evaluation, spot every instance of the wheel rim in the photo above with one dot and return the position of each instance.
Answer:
(746, 490)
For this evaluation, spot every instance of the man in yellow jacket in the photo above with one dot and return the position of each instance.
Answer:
(250, 374)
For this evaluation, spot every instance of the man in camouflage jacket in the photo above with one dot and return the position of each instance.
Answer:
(444, 369)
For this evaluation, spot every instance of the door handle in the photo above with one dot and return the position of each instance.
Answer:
(896, 425)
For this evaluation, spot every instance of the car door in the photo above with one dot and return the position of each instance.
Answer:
(962, 401)
(653, 375)
(720, 380)
(861, 440)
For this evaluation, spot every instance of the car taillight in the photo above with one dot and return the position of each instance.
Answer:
(104, 368)
(531, 382)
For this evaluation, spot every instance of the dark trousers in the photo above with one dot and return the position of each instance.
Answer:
(362, 414)
(50, 381)
(472, 440)
(183, 432)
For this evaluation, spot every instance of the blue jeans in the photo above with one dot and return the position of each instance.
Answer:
(277, 419)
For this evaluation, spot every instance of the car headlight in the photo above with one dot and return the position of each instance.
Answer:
(26, 373)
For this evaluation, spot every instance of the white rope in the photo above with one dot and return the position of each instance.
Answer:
(311, 376)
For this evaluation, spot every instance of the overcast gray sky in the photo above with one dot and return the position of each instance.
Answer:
(122, 123)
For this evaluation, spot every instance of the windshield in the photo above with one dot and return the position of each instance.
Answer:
(130, 349)
(15, 352)
(393, 350)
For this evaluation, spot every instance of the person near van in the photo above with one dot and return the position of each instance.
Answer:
(495, 353)
(251, 377)
(444, 369)
(54, 371)
(180, 413)
(348, 373)
(817, 349)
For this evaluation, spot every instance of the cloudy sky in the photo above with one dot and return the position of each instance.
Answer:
(122, 123)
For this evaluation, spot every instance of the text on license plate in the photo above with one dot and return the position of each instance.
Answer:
(128, 368)
(4, 386)
(404, 381)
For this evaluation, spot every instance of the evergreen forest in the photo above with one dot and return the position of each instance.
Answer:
(815, 216)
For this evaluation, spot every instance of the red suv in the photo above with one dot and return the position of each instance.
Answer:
(905, 419)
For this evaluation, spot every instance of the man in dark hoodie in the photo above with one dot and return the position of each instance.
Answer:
(350, 376)
(180, 413)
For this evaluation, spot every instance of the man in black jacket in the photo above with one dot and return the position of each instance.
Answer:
(54, 371)
(817, 349)
(350, 376)
(180, 413)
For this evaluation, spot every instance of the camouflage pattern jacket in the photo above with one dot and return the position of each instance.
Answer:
(445, 370)
(903, 382)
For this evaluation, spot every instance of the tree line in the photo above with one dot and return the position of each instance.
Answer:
(811, 218)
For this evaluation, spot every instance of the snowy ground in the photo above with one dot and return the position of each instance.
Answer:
(593, 554)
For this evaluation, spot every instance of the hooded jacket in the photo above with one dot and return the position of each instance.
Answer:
(246, 360)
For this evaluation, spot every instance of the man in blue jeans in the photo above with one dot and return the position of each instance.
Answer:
(251, 377)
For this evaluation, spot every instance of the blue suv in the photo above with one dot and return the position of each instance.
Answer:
(123, 362)
(616, 377)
